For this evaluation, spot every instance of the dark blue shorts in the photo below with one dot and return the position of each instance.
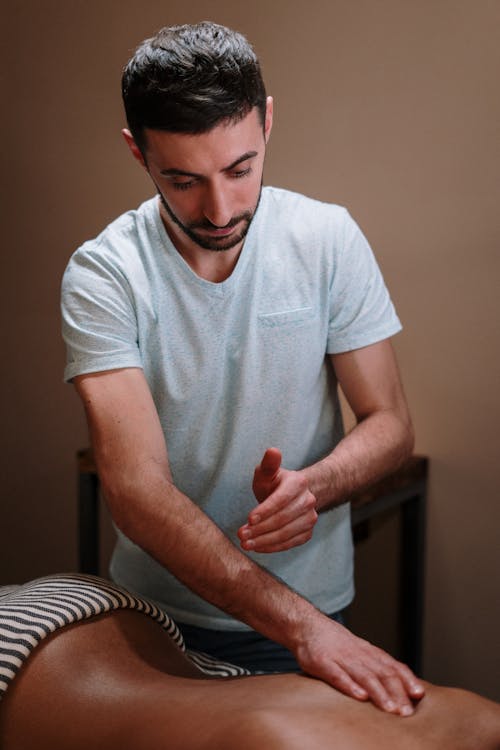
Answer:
(247, 649)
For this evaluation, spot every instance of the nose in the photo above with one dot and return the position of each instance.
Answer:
(217, 206)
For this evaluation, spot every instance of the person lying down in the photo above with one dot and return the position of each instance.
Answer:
(84, 664)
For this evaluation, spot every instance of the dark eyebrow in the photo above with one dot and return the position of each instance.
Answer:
(175, 171)
(244, 157)
(181, 172)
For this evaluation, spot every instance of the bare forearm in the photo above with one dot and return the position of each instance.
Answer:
(377, 445)
(166, 524)
(132, 461)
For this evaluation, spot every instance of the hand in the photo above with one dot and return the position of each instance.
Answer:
(286, 515)
(356, 668)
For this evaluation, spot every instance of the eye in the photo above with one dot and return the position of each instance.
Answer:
(241, 172)
(182, 185)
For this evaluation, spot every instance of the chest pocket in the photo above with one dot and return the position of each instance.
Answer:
(289, 318)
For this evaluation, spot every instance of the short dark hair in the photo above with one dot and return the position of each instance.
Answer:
(190, 78)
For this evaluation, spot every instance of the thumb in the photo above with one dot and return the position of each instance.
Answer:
(270, 464)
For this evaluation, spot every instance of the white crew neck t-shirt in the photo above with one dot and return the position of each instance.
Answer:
(233, 367)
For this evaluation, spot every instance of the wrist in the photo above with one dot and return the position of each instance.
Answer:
(323, 481)
(301, 622)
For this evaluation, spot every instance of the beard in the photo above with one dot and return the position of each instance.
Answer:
(216, 244)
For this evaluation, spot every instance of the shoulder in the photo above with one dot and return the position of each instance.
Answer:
(288, 204)
(291, 216)
(120, 246)
(305, 227)
(120, 241)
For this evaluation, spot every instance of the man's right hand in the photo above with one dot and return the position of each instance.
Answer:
(356, 667)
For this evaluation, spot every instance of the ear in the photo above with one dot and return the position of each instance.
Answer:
(136, 152)
(269, 118)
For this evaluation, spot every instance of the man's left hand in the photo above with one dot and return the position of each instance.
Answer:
(286, 514)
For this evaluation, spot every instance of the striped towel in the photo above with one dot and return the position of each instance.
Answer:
(31, 612)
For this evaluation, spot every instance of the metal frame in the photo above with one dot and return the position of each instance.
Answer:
(411, 503)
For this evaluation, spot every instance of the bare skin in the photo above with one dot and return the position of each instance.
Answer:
(118, 681)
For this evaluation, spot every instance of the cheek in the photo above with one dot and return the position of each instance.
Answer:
(248, 194)
(183, 205)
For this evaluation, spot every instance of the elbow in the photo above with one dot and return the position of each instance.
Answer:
(136, 505)
(118, 506)
(120, 497)
(410, 443)
(407, 439)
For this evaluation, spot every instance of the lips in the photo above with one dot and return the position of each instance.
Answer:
(220, 232)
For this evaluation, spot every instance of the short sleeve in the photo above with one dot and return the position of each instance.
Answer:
(99, 322)
(361, 311)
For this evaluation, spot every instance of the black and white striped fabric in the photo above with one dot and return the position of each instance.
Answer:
(31, 612)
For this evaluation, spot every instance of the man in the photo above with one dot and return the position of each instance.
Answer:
(209, 325)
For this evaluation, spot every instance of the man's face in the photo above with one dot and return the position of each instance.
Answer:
(209, 236)
(209, 184)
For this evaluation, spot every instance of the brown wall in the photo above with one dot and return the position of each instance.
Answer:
(388, 107)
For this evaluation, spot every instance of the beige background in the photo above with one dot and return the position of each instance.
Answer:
(390, 107)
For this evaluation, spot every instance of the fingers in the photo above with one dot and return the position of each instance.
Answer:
(275, 542)
(270, 463)
(341, 680)
(286, 519)
(286, 514)
(277, 533)
(288, 500)
(362, 671)
(266, 474)
(386, 691)
(389, 684)
(413, 686)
